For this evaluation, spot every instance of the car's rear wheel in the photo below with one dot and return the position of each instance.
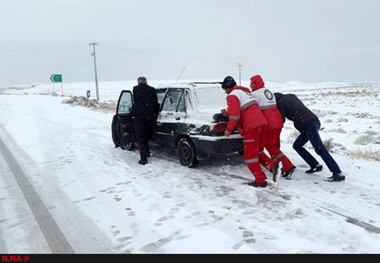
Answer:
(186, 153)
(129, 146)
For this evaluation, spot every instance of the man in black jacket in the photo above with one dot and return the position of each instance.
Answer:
(308, 124)
(145, 112)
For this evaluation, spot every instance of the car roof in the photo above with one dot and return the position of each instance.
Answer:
(190, 85)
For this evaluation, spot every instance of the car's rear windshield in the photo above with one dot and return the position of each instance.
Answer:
(211, 97)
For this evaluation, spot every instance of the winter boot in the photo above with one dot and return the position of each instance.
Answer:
(336, 178)
(142, 162)
(317, 168)
(255, 184)
(288, 174)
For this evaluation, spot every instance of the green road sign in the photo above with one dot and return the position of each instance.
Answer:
(56, 78)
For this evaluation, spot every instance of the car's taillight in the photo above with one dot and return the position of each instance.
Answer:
(218, 128)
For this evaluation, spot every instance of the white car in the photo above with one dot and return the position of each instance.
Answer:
(189, 121)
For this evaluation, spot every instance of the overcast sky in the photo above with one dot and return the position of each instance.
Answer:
(283, 40)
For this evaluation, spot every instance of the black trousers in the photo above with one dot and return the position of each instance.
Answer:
(144, 128)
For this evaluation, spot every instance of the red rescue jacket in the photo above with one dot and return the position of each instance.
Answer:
(243, 110)
(267, 101)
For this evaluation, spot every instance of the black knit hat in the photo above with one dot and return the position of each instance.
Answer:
(228, 82)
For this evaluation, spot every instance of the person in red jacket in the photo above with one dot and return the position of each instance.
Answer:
(244, 111)
(268, 106)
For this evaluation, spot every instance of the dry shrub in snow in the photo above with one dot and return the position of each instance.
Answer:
(339, 130)
(367, 155)
(92, 104)
(371, 137)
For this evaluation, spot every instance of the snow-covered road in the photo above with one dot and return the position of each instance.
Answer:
(103, 201)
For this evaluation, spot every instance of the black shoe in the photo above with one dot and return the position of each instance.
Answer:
(336, 178)
(317, 168)
(254, 184)
(143, 162)
(288, 174)
(276, 171)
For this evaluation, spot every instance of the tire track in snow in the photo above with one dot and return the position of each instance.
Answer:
(54, 237)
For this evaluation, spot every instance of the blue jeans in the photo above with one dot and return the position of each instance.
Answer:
(311, 133)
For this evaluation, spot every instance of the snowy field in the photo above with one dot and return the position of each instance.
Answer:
(103, 201)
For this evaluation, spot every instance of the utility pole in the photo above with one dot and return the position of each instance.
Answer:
(96, 72)
(239, 66)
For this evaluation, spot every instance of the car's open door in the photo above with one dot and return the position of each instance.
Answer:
(122, 124)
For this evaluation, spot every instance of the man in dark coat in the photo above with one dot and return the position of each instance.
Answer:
(308, 124)
(145, 112)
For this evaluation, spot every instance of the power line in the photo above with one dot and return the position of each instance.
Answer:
(39, 48)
